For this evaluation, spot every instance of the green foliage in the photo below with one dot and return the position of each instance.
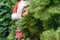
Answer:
(51, 35)
(5, 17)
(42, 22)
(4, 20)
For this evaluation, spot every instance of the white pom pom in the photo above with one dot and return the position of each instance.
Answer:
(14, 16)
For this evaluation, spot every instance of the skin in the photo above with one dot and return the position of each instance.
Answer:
(26, 12)
(25, 9)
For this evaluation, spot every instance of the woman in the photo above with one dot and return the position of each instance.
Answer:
(20, 10)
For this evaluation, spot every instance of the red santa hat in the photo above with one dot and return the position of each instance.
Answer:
(17, 14)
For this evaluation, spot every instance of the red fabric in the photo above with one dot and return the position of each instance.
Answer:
(15, 8)
(19, 34)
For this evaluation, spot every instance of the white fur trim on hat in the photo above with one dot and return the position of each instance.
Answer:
(21, 6)
(14, 16)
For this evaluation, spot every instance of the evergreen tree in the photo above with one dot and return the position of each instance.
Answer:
(5, 17)
(4, 20)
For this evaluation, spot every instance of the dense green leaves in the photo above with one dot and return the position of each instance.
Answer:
(5, 19)
(42, 22)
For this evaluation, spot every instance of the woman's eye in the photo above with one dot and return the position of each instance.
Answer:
(24, 10)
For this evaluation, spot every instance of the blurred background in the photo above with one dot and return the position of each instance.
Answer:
(41, 23)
